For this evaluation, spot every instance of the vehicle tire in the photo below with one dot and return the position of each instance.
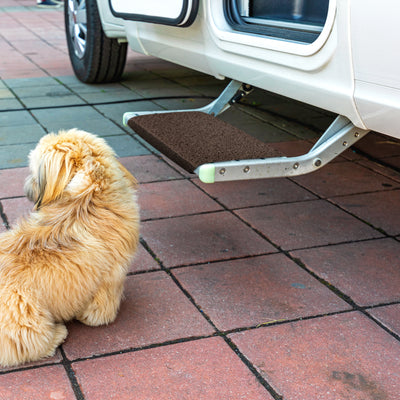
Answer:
(95, 58)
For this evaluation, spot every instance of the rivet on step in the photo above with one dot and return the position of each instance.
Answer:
(295, 165)
(246, 169)
(356, 134)
(222, 171)
(344, 143)
(317, 162)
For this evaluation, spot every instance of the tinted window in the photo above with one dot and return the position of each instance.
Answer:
(295, 20)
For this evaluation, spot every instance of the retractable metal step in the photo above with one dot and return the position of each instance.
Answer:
(216, 151)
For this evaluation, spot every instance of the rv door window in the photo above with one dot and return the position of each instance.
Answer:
(295, 20)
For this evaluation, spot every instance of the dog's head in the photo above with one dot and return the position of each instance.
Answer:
(69, 164)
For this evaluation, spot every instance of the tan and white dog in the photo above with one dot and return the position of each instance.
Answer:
(69, 258)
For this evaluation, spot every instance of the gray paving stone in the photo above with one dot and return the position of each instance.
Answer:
(145, 144)
(263, 98)
(292, 127)
(267, 133)
(13, 156)
(66, 114)
(14, 118)
(30, 82)
(158, 88)
(182, 104)
(76, 85)
(302, 113)
(10, 104)
(70, 80)
(108, 96)
(125, 146)
(52, 101)
(199, 80)
(41, 91)
(6, 93)
(20, 134)
(116, 111)
(99, 126)
(209, 90)
(255, 127)
(137, 75)
(175, 71)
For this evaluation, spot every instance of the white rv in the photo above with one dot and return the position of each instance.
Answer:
(338, 55)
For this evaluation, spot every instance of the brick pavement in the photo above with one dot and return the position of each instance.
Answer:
(283, 288)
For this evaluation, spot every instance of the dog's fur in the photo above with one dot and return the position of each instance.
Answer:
(69, 258)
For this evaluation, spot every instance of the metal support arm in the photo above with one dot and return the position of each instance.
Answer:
(230, 95)
(339, 136)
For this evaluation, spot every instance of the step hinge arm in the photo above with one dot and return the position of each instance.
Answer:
(324, 151)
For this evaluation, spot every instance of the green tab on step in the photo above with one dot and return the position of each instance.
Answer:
(206, 173)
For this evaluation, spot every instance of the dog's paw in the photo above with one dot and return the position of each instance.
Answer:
(95, 316)
(103, 308)
(60, 334)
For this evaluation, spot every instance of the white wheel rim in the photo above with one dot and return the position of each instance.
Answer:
(77, 26)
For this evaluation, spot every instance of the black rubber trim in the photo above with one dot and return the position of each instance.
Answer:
(238, 24)
(160, 20)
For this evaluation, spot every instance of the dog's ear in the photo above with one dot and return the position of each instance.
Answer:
(55, 171)
(88, 178)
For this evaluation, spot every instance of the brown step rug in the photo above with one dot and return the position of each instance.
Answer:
(194, 138)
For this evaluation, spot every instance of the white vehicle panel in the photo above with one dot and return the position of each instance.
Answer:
(379, 107)
(113, 27)
(352, 68)
(165, 8)
(375, 32)
(323, 78)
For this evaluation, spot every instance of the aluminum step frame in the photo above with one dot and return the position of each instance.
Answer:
(340, 135)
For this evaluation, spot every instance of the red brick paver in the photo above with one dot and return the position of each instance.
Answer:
(344, 178)
(255, 192)
(205, 370)
(143, 261)
(16, 209)
(202, 238)
(338, 357)
(173, 198)
(149, 168)
(56, 358)
(27, 54)
(12, 185)
(47, 383)
(369, 208)
(388, 316)
(256, 291)
(306, 224)
(154, 311)
(380, 145)
(368, 272)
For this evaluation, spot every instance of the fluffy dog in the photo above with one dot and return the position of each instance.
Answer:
(69, 258)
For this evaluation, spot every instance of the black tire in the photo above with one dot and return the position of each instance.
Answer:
(97, 58)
